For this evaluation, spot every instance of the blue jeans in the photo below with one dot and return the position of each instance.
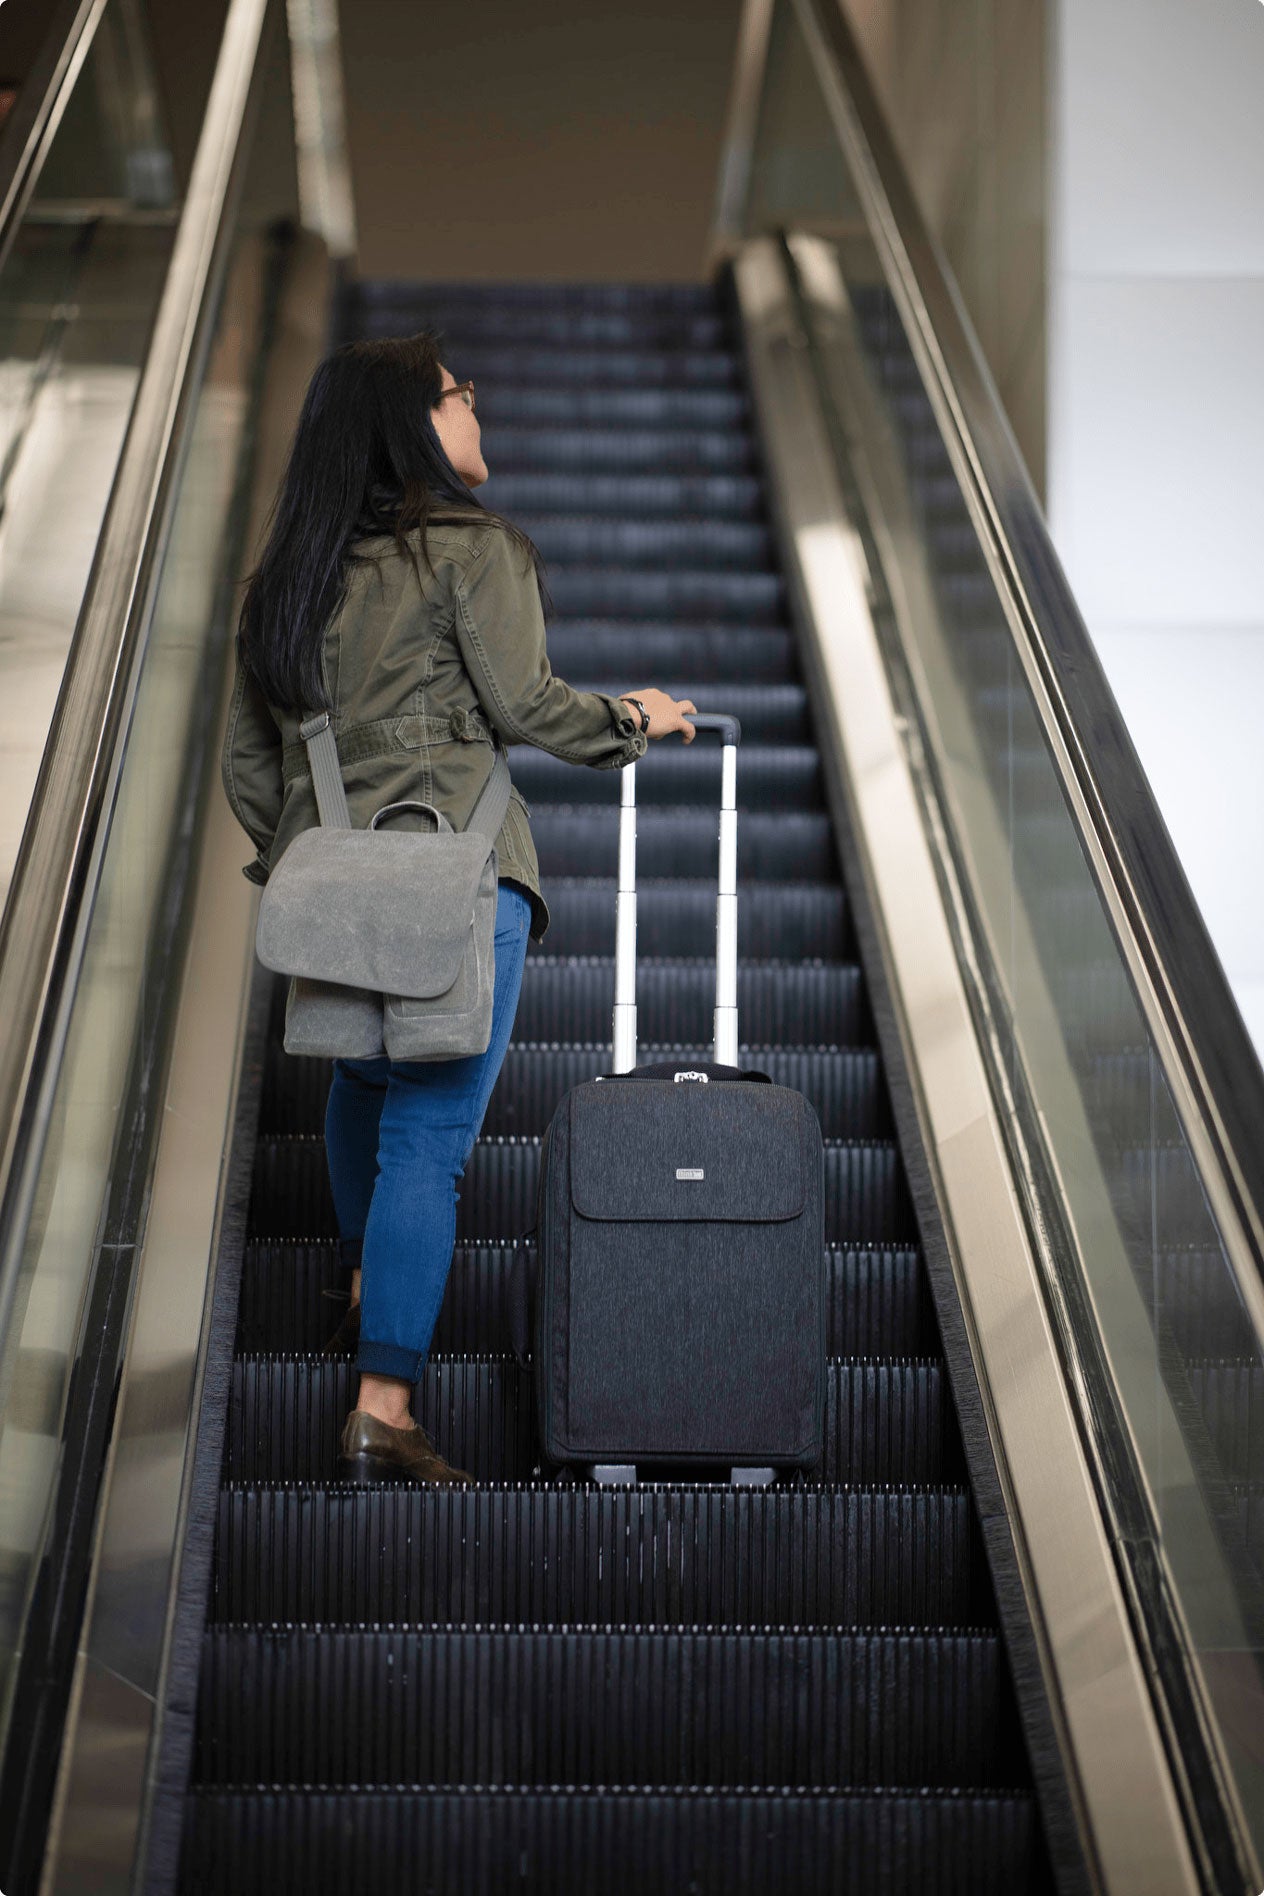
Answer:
(397, 1136)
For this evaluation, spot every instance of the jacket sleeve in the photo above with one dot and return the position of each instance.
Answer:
(251, 769)
(500, 630)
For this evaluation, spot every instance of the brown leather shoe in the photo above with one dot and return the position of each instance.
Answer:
(346, 1338)
(372, 1450)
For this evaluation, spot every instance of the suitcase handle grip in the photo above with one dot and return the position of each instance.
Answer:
(729, 727)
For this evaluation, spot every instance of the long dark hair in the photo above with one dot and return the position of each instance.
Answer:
(365, 461)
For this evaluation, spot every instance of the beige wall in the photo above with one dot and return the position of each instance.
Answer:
(553, 140)
(963, 83)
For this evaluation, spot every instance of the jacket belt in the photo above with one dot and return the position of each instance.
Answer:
(383, 735)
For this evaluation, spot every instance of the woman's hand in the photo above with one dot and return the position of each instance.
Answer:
(666, 714)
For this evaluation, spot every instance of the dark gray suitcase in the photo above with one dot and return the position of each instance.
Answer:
(679, 1308)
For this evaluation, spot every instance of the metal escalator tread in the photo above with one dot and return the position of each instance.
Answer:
(884, 1421)
(620, 1842)
(678, 1554)
(777, 777)
(876, 1299)
(845, 1085)
(541, 1683)
(763, 658)
(866, 1196)
(518, 1702)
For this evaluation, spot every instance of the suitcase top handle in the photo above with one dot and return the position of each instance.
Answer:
(729, 728)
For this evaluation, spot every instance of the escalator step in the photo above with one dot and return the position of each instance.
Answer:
(603, 592)
(658, 1556)
(1248, 1499)
(562, 366)
(877, 1302)
(666, 450)
(736, 545)
(1160, 1180)
(700, 496)
(525, 1705)
(769, 777)
(1192, 1294)
(670, 841)
(636, 299)
(621, 1843)
(520, 406)
(465, 321)
(1231, 1398)
(884, 1422)
(801, 921)
(644, 650)
(866, 1196)
(768, 714)
(845, 1085)
(570, 1001)
(847, 1089)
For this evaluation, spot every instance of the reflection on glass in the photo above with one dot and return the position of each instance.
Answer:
(78, 293)
(1186, 1365)
(77, 302)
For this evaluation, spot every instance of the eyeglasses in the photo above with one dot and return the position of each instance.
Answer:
(464, 389)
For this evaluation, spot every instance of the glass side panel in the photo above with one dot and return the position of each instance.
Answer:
(1143, 1260)
(85, 1207)
(79, 290)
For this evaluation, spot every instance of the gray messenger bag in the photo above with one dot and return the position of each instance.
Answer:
(387, 934)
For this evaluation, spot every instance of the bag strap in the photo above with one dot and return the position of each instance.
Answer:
(493, 799)
(331, 797)
(322, 755)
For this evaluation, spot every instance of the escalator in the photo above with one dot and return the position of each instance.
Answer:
(1009, 1635)
(679, 1683)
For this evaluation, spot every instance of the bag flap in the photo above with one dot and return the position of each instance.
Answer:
(659, 1152)
(390, 911)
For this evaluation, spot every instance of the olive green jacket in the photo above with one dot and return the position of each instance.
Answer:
(417, 681)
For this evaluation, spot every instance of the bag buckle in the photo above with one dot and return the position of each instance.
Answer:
(314, 726)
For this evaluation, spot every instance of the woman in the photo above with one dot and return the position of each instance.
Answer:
(419, 662)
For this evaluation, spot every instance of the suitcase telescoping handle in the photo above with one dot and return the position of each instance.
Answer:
(730, 732)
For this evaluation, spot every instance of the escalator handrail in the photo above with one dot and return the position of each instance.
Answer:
(1207, 1055)
(45, 922)
(37, 111)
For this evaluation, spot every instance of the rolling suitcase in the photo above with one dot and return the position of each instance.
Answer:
(679, 1307)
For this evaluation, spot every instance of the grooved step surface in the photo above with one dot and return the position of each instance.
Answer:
(876, 1300)
(672, 841)
(775, 777)
(883, 1421)
(792, 921)
(527, 1705)
(866, 1196)
(845, 1085)
(617, 1842)
(613, 655)
(679, 1554)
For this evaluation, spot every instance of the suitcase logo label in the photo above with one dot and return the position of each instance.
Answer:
(690, 1171)
(704, 1077)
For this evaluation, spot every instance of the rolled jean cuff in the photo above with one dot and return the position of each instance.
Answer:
(388, 1359)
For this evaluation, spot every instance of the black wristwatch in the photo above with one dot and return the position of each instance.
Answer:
(645, 716)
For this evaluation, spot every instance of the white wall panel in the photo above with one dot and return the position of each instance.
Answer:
(1192, 697)
(1156, 462)
(1158, 136)
(1156, 413)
